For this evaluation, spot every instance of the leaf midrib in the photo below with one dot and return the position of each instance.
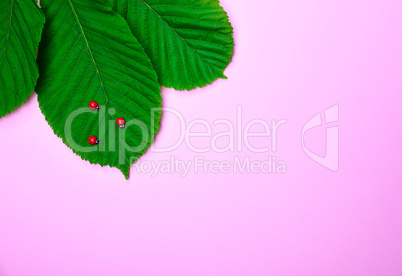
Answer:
(182, 38)
(8, 34)
(96, 66)
(90, 51)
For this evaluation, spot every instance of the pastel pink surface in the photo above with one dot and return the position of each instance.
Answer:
(60, 215)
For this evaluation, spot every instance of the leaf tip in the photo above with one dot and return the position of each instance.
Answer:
(126, 172)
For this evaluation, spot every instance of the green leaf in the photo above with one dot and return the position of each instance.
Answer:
(190, 42)
(88, 53)
(21, 23)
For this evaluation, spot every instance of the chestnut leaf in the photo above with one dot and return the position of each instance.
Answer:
(21, 24)
(88, 53)
(190, 42)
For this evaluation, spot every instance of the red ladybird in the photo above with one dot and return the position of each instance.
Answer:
(121, 122)
(94, 105)
(93, 140)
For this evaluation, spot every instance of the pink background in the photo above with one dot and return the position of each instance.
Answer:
(62, 216)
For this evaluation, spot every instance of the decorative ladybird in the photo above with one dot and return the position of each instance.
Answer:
(93, 140)
(121, 122)
(94, 105)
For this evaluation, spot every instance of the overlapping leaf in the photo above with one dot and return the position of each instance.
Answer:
(88, 53)
(21, 23)
(190, 42)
